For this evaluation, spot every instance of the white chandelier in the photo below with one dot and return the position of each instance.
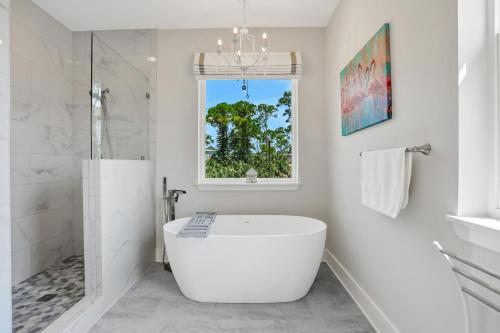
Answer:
(243, 53)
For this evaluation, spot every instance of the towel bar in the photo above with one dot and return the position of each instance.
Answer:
(459, 272)
(424, 149)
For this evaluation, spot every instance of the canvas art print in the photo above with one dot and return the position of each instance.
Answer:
(366, 85)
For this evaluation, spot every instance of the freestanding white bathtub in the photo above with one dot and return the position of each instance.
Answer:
(247, 259)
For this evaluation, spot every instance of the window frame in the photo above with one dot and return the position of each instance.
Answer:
(217, 184)
(494, 203)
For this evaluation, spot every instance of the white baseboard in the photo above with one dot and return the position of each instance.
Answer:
(370, 309)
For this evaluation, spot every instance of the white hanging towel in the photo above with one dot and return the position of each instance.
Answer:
(385, 180)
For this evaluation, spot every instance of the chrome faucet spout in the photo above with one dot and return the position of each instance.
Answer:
(172, 198)
(175, 194)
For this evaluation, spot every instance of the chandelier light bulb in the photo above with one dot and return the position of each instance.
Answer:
(219, 46)
(235, 30)
(264, 36)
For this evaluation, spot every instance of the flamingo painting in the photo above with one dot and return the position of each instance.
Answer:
(365, 83)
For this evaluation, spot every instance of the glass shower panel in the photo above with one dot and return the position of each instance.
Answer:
(120, 106)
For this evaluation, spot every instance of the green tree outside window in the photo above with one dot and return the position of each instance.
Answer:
(245, 140)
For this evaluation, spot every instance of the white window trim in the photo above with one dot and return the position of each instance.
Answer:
(484, 231)
(494, 194)
(494, 204)
(481, 231)
(240, 184)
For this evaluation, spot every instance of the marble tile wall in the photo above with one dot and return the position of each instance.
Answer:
(119, 221)
(43, 182)
(119, 236)
(133, 45)
(5, 236)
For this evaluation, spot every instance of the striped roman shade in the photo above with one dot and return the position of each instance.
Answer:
(279, 64)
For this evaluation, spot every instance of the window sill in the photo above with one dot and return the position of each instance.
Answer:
(241, 186)
(481, 231)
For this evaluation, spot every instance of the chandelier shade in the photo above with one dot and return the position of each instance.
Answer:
(286, 65)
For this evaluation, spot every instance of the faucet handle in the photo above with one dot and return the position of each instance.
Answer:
(175, 194)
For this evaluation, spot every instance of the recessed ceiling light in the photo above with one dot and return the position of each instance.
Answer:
(151, 59)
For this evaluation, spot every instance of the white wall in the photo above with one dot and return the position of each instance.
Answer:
(178, 124)
(5, 236)
(41, 146)
(394, 261)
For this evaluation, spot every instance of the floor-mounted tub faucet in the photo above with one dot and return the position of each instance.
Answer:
(172, 198)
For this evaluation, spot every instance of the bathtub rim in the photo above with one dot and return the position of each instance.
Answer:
(211, 236)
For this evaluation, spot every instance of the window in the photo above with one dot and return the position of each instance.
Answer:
(478, 113)
(495, 82)
(244, 125)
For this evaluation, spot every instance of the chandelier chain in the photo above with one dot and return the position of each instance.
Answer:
(244, 13)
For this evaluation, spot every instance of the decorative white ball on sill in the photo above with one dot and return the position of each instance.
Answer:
(252, 176)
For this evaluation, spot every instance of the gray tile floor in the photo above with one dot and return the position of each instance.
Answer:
(155, 304)
(64, 282)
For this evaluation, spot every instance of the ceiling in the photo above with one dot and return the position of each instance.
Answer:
(86, 15)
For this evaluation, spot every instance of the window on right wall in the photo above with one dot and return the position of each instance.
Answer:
(495, 70)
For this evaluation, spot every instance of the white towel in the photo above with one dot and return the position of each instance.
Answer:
(385, 180)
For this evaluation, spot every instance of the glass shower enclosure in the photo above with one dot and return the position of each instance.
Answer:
(120, 106)
(104, 115)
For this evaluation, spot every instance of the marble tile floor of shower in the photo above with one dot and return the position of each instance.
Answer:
(42, 298)
(155, 304)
